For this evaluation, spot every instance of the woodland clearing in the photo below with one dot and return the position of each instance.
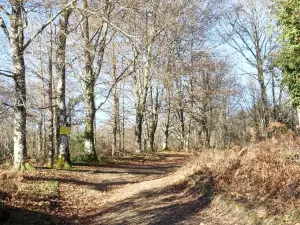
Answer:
(257, 184)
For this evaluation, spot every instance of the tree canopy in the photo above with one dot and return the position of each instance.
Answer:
(288, 12)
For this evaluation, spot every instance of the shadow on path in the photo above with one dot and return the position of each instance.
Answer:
(101, 186)
(157, 207)
(18, 216)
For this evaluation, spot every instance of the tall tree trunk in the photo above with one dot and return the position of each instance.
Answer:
(17, 43)
(42, 137)
(169, 91)
(91, 76)
(123, 118)
(61, 96)
(55, 122)
(89, 99)
(180, 113)
(263, 95)
(116, 109)
(89, 144)
(42, 124)
(154, 104)
(52, 107)
(141, 90)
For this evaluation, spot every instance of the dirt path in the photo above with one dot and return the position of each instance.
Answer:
(83, 192)
(88, 189)
(134, 191)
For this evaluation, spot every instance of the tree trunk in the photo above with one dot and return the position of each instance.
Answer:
(141, 86)
(154, 104)
(91, 75)
(275, 108)
(123, 118)
(89, 144)
(61, 101)
(51, 103)
(166, 139)
(138, 131)
(166, 130)
(167, 123)
(298, 113)
(187, 137)
(180, 113)
(42, 124)
(116, 109)
(263, 94)
(17, 43)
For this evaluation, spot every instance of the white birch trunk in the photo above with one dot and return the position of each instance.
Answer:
(16, 42)
(61, 96)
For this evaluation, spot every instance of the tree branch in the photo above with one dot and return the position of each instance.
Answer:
(2, 9)
(46, 24)
(7, 73)
(120, 77)
(130, 37)
(4, 28)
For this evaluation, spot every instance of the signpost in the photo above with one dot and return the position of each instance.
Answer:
(65, 130)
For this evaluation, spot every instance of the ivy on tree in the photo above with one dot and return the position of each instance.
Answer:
(288, 15)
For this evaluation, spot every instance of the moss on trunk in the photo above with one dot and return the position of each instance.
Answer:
(26, 166)
(62, 163)
(50, 164)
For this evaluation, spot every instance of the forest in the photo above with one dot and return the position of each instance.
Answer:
(188, 111)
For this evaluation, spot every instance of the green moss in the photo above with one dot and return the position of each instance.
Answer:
(28, 166)
(67, 165)
(62, 163)
(50, 165)
(166, 149)
(24, 167)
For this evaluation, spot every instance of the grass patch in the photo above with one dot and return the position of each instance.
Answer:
(41, 190)
(37, 195)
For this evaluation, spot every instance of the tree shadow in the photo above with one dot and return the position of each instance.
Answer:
(103, 186)
(28, 217)
(124, 169)
(127, 166)
(156, 207)
(128, 172)
(173, 213)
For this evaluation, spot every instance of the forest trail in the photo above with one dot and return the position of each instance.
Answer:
(148, 190)
(91, 194)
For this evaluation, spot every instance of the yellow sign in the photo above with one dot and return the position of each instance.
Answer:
(65, 130)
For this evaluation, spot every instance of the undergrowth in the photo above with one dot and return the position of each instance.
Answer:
(265, 174)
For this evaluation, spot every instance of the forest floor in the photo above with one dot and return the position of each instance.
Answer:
(113, 193)
(166, 188)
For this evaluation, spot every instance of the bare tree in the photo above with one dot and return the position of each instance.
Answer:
(17, 18)
(245, 29)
